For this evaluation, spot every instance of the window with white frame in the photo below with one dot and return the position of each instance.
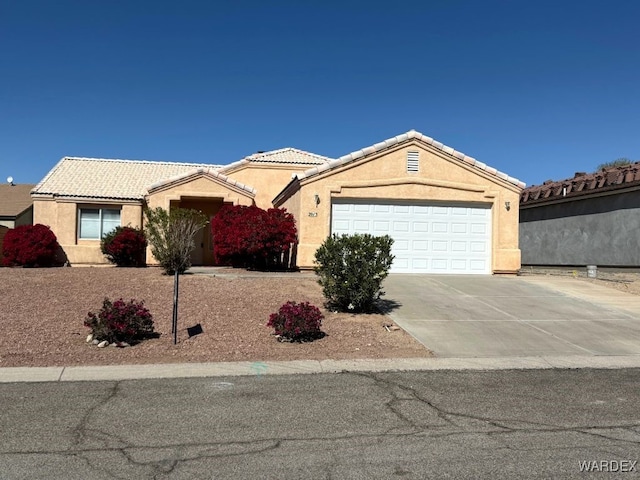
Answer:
(95, 223)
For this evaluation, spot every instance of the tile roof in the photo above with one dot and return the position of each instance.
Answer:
(582, 184)
(15, 199)
(289, 156)
(210, 172)
(411, 134)
(101, 178)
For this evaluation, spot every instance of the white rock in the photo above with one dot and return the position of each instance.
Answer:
(89, 338)
(103, 344)
(95, 341)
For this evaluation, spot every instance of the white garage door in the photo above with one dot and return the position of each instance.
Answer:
(428, 238)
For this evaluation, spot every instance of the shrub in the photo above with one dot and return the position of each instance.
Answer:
(125, 247)
(252, 237)
(30, 246)
(171, 236)
(297, 322)
(120, 321)
(351, 270)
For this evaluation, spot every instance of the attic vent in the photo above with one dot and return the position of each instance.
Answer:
(413, 162)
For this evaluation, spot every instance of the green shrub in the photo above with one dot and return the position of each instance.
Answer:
(171, 234)
(351, 270)
(297, 322)
(120, 321)
(125, 247)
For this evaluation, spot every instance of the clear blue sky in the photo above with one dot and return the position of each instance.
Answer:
(538, 89)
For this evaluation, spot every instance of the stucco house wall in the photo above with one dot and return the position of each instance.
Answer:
(383, 176)
(62, 218)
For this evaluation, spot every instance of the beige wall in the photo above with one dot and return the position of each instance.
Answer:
(62, 218)
(267, 179)
(383, 177)
(206, 194)
(62, 215)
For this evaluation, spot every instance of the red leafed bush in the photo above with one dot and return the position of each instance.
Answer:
(125, 247)
(30, 246)
(252, 237)
(297, 322)
(120, 321)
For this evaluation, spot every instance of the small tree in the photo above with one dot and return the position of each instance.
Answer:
(351, 270)
(171, 236)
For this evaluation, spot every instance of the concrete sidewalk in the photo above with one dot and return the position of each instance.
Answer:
(257, 369)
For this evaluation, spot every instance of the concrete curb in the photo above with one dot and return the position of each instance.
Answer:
(230, 369)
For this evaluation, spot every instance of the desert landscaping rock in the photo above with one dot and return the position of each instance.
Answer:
(103, 344)
(233, 312)
(89, 338)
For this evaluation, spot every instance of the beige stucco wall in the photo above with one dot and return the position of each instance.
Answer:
(383, 176)
(267, 179)
(199, 189)
(62, 217)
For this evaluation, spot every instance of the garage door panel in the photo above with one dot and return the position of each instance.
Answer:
(421, 227)
(457, 246)
(459, 228)
(439, 227)
(418, 246)
(479, 228)
(427, 238)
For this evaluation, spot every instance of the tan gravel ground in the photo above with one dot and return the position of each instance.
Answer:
(42, 313)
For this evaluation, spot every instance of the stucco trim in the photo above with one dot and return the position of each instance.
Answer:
(213, 175)
(408, 181)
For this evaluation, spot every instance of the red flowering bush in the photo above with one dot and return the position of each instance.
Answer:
(297, 322)
(125, 247)
(252, 237)
(30, 246)
(120, 321)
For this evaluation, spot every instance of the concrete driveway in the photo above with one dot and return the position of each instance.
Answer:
(492, 316)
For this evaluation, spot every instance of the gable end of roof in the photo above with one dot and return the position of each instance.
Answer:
(399, 139)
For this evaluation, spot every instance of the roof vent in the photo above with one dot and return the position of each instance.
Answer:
(548, 182)
(413, 159)
(579, 174)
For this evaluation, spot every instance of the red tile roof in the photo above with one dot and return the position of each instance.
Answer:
(583, 184)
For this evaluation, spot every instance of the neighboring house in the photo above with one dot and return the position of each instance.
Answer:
(16, 207)
(447, 212)
(590, 219)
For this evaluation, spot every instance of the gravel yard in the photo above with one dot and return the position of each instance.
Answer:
(42, 313)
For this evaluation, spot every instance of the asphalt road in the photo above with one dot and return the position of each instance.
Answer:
(437, 424)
